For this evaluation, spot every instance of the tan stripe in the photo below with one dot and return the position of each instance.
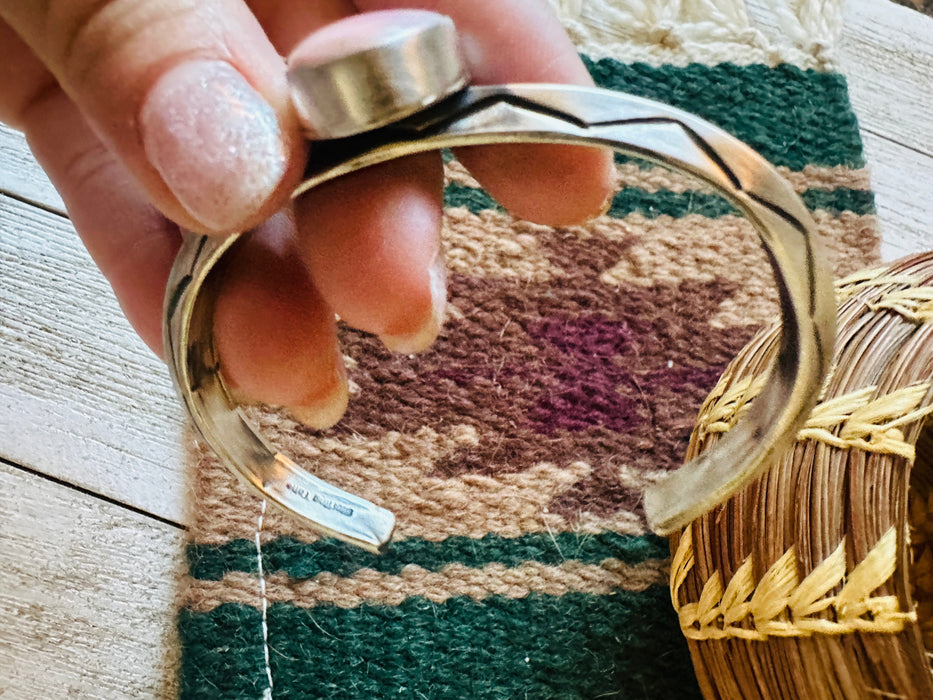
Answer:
(814, 177)
(653, 179)
(455, 580)
(851, 243)
(397, 472)
(494, 245)
(697, 248)
(663, 250)
(454, 171)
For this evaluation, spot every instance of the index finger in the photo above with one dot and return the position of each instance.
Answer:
(191, 97)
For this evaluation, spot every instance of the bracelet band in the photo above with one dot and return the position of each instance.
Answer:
(544, 114)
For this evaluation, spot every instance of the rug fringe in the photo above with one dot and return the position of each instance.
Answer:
(678, 32)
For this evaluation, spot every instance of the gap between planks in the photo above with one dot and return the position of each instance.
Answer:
(87, 595)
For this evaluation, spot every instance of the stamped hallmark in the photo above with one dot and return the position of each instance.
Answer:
(331, 504)
(321, 500)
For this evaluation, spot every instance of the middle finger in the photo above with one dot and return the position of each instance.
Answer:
(369, 243)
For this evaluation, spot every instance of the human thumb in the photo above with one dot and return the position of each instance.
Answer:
(191, 96)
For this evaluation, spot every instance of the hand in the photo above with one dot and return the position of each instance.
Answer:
(150, 116)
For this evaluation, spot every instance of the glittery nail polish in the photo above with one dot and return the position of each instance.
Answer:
(215, 141)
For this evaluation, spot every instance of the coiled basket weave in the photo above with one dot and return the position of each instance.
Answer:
(816, 581)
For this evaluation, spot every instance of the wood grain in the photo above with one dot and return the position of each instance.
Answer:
(903, 182)
(81, 398)
(87, 593)
(887, 55)
(21, 176)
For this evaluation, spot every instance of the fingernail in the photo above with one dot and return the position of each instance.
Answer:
(612, 177)
(612, 186)
(215, 141)
(326, 406)
(425, 335)
(606, 205)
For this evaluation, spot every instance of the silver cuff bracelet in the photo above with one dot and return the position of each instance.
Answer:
(410, 94)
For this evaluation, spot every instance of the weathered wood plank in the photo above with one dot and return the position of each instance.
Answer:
(887, 55)
(902, 180)
(87, 593)
(21, 176)
(81, 398)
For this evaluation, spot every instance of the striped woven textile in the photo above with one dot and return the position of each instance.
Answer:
(514, 453)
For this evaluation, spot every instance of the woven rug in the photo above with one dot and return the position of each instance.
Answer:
(568, 376)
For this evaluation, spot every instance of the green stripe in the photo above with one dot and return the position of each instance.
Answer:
(625, 645)
(664, 202)
(677, 204)
(304, 560)
(841, 199)
(791, 116)
(474, 199)
(222, 653)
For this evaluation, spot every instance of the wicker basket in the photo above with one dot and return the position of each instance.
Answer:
(817, 580)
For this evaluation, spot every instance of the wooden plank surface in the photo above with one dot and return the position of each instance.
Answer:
(886, 52)
(21, 176)
(81, 398)
(887, 56)
(87, 590)
(903, 194)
